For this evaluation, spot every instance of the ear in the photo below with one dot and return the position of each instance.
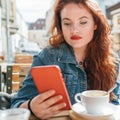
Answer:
(95, 27)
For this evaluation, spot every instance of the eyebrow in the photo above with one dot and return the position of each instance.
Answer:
(79, 18)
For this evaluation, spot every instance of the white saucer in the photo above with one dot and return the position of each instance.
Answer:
(108, 113)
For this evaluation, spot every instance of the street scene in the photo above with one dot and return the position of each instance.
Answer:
(22, 33)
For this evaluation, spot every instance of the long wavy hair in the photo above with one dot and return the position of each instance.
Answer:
(99, 63)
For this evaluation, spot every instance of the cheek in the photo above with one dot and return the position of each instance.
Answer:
(65, 32)
(89, 33)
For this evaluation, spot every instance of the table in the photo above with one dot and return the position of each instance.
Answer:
(55, 118)
(71, 115)
(64, 115)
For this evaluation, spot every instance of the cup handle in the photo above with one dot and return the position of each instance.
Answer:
(76, 97)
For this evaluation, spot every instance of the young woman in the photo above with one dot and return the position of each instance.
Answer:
(80, 46)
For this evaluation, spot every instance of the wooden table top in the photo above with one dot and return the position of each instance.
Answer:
(64, 115)
(54, 118)
(71, 115)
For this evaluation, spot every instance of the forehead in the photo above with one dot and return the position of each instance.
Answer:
(73, 10)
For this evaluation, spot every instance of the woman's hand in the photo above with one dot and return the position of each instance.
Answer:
(43, 105)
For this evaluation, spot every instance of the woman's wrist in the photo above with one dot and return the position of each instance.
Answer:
(29, 107)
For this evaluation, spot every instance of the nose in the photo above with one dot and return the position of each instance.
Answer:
(75, 29)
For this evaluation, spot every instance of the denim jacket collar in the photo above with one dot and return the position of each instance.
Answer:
(66, 54)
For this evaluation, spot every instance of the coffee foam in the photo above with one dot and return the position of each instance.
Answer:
(95, 94)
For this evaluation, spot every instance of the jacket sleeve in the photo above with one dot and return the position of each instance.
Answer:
(28, 89)
(117, 89)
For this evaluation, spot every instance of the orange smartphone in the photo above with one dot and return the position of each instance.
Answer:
(50, 77)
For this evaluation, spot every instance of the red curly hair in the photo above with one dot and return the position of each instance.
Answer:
(99, 63)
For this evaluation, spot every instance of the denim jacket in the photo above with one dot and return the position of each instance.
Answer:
(74, 76)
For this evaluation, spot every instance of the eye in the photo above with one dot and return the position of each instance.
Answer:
(83, 23)
(67, 23)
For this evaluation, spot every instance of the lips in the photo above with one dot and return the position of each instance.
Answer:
(75, 37)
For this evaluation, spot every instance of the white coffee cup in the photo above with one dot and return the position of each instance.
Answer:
(15, 114)
(94, 101)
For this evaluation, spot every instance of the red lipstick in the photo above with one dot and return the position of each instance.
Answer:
(75, 37)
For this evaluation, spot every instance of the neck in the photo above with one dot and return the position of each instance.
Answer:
(79, 55)
(81, 63)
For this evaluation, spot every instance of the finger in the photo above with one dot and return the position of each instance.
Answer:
(53, 110)
(51, 101)
(56, 108)
(43, 96)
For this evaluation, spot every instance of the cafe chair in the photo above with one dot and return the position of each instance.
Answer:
(5, 100)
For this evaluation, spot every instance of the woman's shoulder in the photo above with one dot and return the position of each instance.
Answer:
(47, 52)
(52, 49)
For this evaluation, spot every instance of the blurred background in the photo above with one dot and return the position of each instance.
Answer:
(24, 26)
